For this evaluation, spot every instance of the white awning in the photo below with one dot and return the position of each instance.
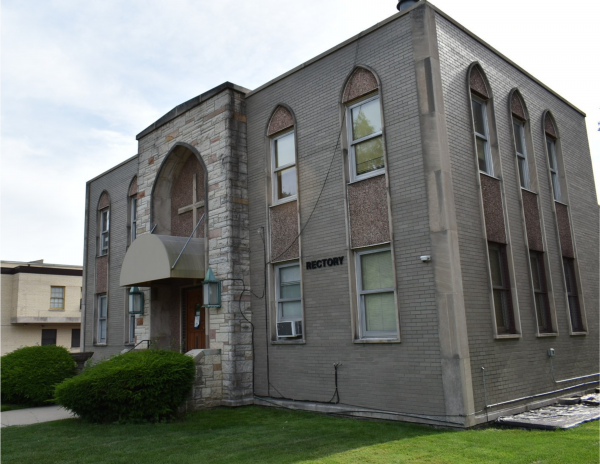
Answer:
(151, 257)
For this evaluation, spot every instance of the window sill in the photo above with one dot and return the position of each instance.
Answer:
(529, 190)
(368, 176)
(490, 176)
(283, 202)
(288, 342)
(561, 203)
(578, 334)
(376, 340)
(100, 344)
(56, 309)
(507, 336)
(546, 335)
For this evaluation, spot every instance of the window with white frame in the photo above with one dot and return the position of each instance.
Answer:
(288, 294)
(57, 297)
(376, 294)
(283, 149)
(102, 319)
(482, 135)
(130, 320)
(104, 230)
(365, 138)
(133, 217)
(552, 162)
(519, 129)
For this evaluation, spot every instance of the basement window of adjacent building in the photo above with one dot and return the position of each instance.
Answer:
(288, 294)
(505, 318)
(365, 134)
(285, 186)
(57, 297)
(75, 338)
(572, 296)
(482, 137)
(553, 164)
(102, 319)
(540, 290)
(519, 130)
(376, 294)
(104, 230)
(48, 337)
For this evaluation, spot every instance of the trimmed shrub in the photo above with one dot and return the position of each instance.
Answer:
(30, 374)
(137, 386)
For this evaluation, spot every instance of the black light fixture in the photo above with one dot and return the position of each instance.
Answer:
(211, 295)
(136, 301)
(404, 4)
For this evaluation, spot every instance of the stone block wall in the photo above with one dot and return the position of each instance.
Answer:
(214, 126)
(207, 391)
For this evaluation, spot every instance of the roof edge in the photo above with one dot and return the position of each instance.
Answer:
(188, 105)
(117, 166)
(421, 4)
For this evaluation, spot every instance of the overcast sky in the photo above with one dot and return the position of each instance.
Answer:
(81, 79)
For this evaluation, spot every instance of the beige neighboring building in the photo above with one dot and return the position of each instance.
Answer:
(40, 305)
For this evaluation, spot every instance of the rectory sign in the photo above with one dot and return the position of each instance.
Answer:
(327, 262)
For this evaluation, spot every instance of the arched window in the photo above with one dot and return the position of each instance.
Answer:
(283, 156)
(103, 223)
(364, 125)
(132, 209)
(479, 104)
(519, 119)
(555, 175)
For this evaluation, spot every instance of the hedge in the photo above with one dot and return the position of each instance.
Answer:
(137, 386)
(30, 374)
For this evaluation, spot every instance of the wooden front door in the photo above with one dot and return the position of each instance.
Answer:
(195, 324)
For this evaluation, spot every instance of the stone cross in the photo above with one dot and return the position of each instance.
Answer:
(194, 206)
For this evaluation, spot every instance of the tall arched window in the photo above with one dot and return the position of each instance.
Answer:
(283, 156)
(364, 125)
(104, 224)
(132, 209)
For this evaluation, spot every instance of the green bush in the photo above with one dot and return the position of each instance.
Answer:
(30, 374)
(138, 386)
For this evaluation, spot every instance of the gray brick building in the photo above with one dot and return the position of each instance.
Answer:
(403, 227)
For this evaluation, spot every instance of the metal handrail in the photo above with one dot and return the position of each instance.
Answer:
(186, 243)
(138, 344)
(569, 380)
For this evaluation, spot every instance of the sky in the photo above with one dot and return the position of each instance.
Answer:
(80, 79)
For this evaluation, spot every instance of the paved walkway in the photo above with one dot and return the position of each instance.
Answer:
(35, 415)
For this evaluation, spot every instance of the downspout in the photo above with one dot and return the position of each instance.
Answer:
(85, 263)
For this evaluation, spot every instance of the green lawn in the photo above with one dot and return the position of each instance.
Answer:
(265, 435)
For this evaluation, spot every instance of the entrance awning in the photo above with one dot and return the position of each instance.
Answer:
(151, 257)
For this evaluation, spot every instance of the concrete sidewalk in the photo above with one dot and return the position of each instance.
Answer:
(35, 415)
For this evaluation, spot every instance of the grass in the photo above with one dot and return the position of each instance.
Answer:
(263, 435)
(12, 407)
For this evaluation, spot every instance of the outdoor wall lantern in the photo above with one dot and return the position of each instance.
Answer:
(136, 301)
(212, 291)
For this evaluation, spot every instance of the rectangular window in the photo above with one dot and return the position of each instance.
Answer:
(104, 230)
(484, 156)
(102, 318)
(551, 144)
(376, 294)
(284, 168)
(519, 129)
(366, 138)
(48, 337)
(133, 218)
(57, 297)
(289, 298)
(505, 320)
(572, 296)
(75, 338)
(540, 290)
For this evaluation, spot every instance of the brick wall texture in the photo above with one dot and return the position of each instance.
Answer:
(518, 367)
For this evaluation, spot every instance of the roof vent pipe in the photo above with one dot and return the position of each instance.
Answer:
(404, 4)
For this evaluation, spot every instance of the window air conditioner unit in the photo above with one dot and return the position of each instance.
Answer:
(289, 329)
